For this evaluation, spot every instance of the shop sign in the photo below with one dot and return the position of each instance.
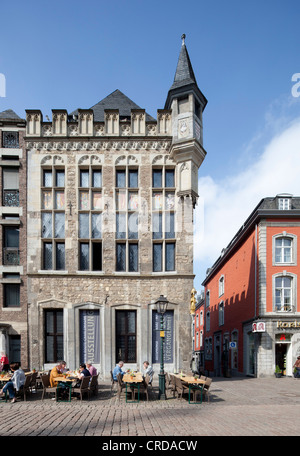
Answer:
(259, 326)
(288, 324)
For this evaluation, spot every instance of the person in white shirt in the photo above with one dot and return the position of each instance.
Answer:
(15, 383)
(148, 371)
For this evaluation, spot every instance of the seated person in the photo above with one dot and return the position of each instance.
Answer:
(148, 370)
(91, 368)
(15, 383)
(57, 371)
(118, 370)
(83, 371)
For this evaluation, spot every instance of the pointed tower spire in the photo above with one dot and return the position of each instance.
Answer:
(184, 79)
(187, 103)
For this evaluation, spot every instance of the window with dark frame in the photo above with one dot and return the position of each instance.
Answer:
(10, 139)
(163, 219)
(53, 219)
(11, 291)
(90, 219)
(126, 336)
(127, 206)
(54, 347)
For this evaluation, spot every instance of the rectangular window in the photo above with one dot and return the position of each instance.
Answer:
(84, 178)
(84, 256)
(284, 204)
(126, 336)
(283, 294)
(163, 219)
(60, 178)
(97, 178)
(283, 250)
(133, 178)
(120, 178)
(53, 218)
(169, 178)
(54, 346)
(90, 219)
(157, 257)
(170, 256)
(11, 252)
(121, 257)
(157, 178)
(47, 256)
(97, 256)
(84, 226)
(133, 257)
(60, 256)
(10, 177)
(10, 139)
(47, 178)
(11, 295)
(127, 221)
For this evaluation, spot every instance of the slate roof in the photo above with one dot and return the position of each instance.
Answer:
(184, 74)
(116, 100)
(184, 79)
(9, 114)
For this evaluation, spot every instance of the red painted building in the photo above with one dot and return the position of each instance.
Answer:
(251, 308)
(198, 336)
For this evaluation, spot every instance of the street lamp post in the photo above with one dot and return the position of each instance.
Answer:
(161, 305)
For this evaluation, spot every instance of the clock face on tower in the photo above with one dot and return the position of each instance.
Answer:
(182, 127)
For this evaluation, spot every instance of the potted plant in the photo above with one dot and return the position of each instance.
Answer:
(278, 372)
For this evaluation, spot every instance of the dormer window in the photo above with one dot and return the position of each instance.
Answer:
(284, 203)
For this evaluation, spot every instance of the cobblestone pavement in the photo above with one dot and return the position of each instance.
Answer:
(237, 407)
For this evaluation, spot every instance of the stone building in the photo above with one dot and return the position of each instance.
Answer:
(13, 255)
(111, 194)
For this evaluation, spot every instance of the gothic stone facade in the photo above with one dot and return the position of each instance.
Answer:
(111, 194)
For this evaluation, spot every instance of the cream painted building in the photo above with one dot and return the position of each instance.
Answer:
(111, 195)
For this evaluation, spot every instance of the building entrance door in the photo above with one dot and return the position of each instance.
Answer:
(282, 358)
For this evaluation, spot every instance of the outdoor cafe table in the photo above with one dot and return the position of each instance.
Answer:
(133, 381)
(69, 381)
(194, 384)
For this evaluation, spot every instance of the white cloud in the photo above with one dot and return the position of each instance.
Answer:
(225, 205)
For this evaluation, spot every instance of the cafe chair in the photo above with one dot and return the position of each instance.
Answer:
(121, 385)
(206, 388)
(93, 386)
(47, 388)
(83, 388)
(26, 387)
(181, 387)
(168, 384)
(173, 385)
(144, 387)
(33, 384)
(113, 382)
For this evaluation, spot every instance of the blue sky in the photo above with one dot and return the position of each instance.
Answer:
(70, 54)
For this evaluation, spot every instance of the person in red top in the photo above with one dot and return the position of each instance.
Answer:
(4, 364)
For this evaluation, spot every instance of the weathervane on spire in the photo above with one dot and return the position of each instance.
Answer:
(183, 38)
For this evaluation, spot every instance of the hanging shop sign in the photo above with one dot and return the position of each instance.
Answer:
(259, 326)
